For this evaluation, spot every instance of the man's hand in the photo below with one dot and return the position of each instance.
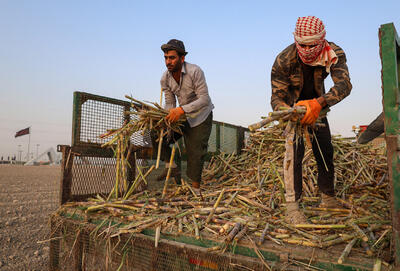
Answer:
(313, 109)
(174, 114)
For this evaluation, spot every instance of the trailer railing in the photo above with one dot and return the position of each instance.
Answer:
(390, 56)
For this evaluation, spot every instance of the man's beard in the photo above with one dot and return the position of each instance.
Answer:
(174, 68)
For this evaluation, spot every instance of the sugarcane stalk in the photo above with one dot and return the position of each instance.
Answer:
(157, 236)
(214, 248)
(339, 240)
(377, 265)
(282, 236)
(306, 235)
(321, 226)
(146, 174)
(169, 172)
(136, 183)
(346, 251)
(209, 229)
(299, 242)
(262, 123)
(331, 237)
(117, 180)
(328, 209)
(180, 226)
(196, 228)
(101, 206)
(184, 214)
(362, 234)
(275, 116)
(242, 232)
(282, 184)
(160, 140)
(215, 206)
(233, 232)
(140, 228)
(228, 165)
(260, 256)
(137, 223)
(262, 237)
(380, 238)
(254, 203)
(307, 266)
(231, 199)
(366, 248)
(225, 228)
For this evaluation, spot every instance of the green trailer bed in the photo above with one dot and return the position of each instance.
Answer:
(75, 246)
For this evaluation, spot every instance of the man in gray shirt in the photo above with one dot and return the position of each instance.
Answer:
(186, 82)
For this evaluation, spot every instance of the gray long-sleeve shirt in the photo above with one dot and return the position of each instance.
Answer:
(192, 93)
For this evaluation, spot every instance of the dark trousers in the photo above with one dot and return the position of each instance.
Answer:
(196, 144)
(325, 177)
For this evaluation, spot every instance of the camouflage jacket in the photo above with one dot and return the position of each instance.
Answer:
(287, 78)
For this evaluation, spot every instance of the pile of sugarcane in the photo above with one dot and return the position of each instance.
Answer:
(243, 198)
(143, 118)
(361, 186)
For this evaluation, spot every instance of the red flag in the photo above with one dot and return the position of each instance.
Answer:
(22, 132)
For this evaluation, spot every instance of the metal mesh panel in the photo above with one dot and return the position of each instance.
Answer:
(212, 144)
(97, 117)
(94, 115)
(74, 247)
(91, 175)
(228, 139)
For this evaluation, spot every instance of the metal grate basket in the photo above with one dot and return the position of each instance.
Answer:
(88, 169)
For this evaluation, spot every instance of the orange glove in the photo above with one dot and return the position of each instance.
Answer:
(174, 114)
(313, 109)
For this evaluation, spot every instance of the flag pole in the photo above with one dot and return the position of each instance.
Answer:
(29, 143)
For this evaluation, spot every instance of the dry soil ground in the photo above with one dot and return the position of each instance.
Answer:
(28, 194)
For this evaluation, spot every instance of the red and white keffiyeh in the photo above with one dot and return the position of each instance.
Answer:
(311, 31)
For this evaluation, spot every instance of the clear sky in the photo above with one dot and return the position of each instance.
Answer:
(49, 49)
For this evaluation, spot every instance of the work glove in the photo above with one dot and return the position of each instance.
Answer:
(174, 114)
(313, 109)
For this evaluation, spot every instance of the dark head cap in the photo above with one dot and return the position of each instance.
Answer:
(176, 45)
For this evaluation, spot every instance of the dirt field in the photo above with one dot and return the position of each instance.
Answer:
(28, 194)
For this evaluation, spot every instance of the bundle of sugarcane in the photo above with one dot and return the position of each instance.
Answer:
(145, 117)
(149, 116)
(294, 113)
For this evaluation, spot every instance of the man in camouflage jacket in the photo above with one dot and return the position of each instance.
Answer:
(287, 78)
(297, 78)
